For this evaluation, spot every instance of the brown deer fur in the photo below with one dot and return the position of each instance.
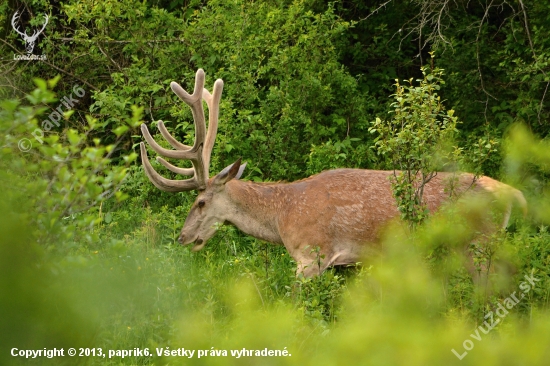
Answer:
(332, 218)
(342, 212)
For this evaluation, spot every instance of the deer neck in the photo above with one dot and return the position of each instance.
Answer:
(255, 208)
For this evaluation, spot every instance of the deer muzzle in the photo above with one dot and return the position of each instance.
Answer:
(198, 243)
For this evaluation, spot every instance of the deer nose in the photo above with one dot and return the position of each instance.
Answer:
(180, 239)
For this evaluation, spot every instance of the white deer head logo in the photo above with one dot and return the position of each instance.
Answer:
(29, 40)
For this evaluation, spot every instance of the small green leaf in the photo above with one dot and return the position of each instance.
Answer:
(40, 83)
(120, 130)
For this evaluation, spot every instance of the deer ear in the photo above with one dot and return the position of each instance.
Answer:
(241, 171)
(234, 170)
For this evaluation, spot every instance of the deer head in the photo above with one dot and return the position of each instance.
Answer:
(208, 208)
(29, 40)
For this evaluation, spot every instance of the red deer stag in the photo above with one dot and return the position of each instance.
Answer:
(340, 211)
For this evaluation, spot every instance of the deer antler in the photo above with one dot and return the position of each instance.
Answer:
(200, 152)
(14, 20)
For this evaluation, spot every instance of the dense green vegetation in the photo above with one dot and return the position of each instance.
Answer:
(88, 251)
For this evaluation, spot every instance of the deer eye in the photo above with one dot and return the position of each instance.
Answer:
(201, 203)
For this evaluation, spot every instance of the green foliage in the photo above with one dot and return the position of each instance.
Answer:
(298, 73)
(480, 153)
(527, 166)
(497, 65)
(284, 87)
(67, 174)
(349, 153)
(416, 141)
(34, 311)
